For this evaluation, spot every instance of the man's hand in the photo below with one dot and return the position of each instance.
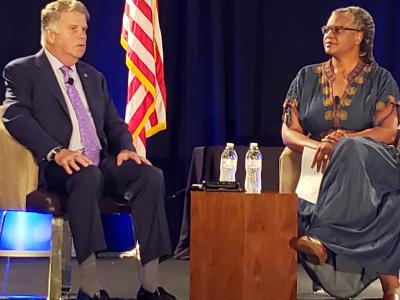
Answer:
(71, 160)
(130, 155)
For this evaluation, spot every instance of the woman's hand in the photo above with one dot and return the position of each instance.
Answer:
(325, 149)
(322, 155)
(335, 136)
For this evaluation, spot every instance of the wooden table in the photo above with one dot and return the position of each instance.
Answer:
(240, 246)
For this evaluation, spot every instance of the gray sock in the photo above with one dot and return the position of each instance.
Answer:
(148, 275)
(88, 280)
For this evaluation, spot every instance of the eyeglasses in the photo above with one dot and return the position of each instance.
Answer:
(336, 29)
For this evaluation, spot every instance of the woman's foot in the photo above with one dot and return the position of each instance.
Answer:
(390, 287)
(393, 295)
(313, 249)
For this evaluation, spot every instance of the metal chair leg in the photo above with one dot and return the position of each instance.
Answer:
(55, 265)
(66, 289)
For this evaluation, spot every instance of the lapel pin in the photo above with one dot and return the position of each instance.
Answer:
(85, 75)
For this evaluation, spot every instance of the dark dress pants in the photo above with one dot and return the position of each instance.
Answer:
(85, 189)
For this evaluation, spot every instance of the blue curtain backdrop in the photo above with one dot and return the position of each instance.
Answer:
(228, 64)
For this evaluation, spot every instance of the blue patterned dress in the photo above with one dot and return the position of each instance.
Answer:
(357, 216)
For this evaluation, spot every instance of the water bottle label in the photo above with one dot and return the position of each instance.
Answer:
(254, 164)
(229, 163)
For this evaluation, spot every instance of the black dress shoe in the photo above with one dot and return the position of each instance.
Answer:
(99, 295)
(159, 294)
(82, 296)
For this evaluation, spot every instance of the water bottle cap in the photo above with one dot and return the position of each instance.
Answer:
(230, 145)
(253, 145)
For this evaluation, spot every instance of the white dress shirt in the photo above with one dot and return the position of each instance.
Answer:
(75, 142)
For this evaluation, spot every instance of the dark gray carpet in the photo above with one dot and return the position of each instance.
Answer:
(29, 276)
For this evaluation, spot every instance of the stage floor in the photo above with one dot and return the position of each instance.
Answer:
(29, 276)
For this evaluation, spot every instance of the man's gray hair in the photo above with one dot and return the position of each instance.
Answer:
(364, 22)
(50, 15)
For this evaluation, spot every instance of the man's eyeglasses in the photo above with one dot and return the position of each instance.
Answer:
(336, 29)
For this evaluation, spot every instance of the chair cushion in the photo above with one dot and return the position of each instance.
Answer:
(111, 205)
(43, 201)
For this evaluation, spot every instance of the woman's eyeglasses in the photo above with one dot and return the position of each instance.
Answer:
(336, 29)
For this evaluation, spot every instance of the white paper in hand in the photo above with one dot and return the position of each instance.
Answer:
(310, 179)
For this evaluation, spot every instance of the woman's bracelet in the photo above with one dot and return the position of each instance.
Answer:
(328, 141)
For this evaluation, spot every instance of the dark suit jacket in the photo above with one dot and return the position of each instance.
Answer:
(36, 113)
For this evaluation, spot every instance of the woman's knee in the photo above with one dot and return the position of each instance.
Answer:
(351, 145)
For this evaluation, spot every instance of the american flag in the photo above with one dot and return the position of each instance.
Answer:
(146, 103)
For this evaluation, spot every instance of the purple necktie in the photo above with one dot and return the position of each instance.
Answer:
(89, 139)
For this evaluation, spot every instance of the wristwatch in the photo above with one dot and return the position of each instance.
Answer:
(54, 152)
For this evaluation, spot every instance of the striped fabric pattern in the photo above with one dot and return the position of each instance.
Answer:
(146, 100)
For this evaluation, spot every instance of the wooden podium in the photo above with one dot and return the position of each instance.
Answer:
(240, 246)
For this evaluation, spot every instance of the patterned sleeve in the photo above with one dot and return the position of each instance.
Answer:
(292, 100)
(388, 93)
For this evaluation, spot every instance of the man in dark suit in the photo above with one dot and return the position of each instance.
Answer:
(59, 108)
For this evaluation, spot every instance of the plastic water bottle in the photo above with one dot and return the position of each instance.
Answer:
(252, 183)
(228, 163)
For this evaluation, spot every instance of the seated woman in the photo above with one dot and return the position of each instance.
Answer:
(346, 109)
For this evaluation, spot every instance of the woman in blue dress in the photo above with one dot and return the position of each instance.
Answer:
(346, 109)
